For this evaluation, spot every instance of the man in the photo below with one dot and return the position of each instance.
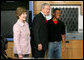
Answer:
(40, 32)
(56, 36)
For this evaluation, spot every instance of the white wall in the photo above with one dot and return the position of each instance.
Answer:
(81, 22)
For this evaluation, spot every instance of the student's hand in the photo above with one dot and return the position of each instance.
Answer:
(20, 56)
(63, 48)
(39, 47)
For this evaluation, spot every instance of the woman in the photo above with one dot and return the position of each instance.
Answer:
(21, 32)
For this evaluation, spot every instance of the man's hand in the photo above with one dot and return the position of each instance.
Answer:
(39, 47)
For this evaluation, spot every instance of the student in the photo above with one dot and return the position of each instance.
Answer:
(56, 36)
(40, 32)
(21, 32)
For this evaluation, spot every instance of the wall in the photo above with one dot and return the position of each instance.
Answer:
(37, 4)
(79, 4)
(80, 17)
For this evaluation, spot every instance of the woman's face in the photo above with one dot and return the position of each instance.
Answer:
(23, 16)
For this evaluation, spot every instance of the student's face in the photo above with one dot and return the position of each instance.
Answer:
(57, 14)
(46, 10)
(23, 16)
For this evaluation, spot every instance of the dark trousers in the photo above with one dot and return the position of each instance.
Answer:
(38, 54)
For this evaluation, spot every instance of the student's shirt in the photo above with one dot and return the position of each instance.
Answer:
(55, 30)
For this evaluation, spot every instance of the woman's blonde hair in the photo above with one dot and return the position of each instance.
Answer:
(19, 11)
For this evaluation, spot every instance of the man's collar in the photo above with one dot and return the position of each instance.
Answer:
(43, 14)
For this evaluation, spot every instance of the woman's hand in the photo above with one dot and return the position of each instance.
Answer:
(20, 56)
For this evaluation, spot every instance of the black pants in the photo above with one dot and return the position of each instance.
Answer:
(38, 54)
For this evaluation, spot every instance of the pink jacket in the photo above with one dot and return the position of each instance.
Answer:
(21, 35)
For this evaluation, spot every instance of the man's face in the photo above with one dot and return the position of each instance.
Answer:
(57, 14)
(46, 10)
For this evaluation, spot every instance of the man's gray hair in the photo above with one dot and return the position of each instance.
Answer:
(43, 5)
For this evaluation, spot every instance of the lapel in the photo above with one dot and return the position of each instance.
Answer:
(43, 18)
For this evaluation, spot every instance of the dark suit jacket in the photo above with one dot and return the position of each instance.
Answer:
(39, 31)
